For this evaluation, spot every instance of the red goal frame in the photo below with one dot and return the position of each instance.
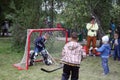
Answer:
(29, 32)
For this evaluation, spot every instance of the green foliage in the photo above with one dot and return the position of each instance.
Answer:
(78, 13)
(75, 14)
(5, 45)
(4, 9)
(102, 10)
(28, 14)
(115, 13)
(26, 17)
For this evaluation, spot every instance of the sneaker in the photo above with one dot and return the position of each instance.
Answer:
(94, 55)
(87, 55)
(90, 54)
(105, 74)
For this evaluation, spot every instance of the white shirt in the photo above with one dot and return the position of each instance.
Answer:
(92, 29)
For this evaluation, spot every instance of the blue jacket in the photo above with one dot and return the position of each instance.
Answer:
(40, 42)
(104, 50)
(112, 26)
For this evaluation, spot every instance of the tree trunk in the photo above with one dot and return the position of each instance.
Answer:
(100, 31)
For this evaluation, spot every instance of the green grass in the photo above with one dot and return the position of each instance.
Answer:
(90, 68)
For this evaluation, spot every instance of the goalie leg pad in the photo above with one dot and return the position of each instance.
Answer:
(32, 55)
(45, 57)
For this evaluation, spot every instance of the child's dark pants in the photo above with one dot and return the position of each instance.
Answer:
(70, 70)
(116, 52)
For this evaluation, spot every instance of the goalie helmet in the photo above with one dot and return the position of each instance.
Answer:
(31, 51)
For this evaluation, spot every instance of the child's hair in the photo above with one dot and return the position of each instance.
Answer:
(92, 18)
(116, 34)
(47, 35)
(105, 39)
(74, 36)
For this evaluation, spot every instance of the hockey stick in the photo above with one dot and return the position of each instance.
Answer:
(49, 71)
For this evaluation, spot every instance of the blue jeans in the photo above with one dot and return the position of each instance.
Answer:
(116, 52)
(105, 65)
(38, 49)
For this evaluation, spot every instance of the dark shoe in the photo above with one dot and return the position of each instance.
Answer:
(31, 63)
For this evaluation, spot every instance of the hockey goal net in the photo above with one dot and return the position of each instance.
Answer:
(54, 45)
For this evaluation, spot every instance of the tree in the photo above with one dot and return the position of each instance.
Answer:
(78, 13)
(27, 15)
(4, 9)
(115, 13)
(101, 10)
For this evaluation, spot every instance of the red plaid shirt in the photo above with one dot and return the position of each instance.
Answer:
(72, 53)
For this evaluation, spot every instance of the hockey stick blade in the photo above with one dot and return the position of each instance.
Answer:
(49, 71)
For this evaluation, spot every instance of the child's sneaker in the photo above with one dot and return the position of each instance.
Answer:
(105, 74)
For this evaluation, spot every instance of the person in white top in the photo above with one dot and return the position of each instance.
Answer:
(92, 28)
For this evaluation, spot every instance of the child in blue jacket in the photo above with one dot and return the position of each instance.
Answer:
(116, 44)
(104, 53)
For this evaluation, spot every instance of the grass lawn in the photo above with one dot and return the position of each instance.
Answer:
(90, 67)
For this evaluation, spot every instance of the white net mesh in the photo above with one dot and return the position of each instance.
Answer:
(53, 45)
(22, 64)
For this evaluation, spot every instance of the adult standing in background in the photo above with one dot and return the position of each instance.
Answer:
(113, 27)
(118, 29)
(92, 28)
(5, 28)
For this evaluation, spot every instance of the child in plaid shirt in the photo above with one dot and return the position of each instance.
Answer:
(72, 54)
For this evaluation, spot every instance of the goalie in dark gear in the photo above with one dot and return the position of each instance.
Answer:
(40, 48)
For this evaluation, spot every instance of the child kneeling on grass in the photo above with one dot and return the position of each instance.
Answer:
(72, 54)
(104, 54)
